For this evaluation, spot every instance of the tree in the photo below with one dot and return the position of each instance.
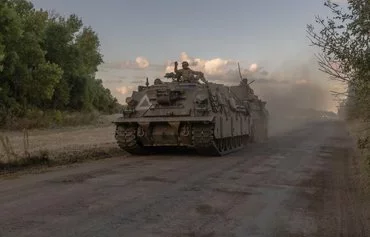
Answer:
(344, 41)
(2, 56)
(47, 62)
(10, 35)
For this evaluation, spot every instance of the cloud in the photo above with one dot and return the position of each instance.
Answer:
(219, 70)
(301, 82)
(271, 81)
(141, 82)
(253, 67)
(124, 90)
(139, 77)
(139, 63)
(215, 66)
(340, 1)
(112, 81)
(210, 67)
(142, 62)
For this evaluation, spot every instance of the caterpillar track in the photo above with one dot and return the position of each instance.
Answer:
(127, 140)
(206, 144)
(202, 139)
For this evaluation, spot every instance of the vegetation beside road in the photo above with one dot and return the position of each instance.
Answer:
(44, 159)
(47, 69)
(20, 150)
(360, 130)
(343, 40)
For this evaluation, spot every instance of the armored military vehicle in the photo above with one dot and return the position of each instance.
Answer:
(207, 116)
(256, 107)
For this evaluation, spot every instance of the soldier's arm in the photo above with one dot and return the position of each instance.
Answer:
(200, 76)
(198, 73)
(176, 70)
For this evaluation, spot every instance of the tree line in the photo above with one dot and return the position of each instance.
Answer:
(344, 42)
(48, 62)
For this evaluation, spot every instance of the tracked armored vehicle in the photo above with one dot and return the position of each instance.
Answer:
(257, 108)
(206, 116)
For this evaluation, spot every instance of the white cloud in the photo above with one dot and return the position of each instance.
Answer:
(124, 90)
(210, 67)
(139, 63)
(340, 1)
(301, 81)
(184, 57)
(142, 62)
(215, 66)
(253, 67)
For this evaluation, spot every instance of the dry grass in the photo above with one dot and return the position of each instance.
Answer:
(45, 158)
(25, 149)
(31, 142)
(56, 119)
(9, 159)
(7, 147)
(9, 155)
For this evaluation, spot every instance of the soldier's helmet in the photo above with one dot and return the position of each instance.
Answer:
(245, 81)
(185, 64)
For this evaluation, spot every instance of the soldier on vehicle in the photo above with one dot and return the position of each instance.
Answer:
(187, 74)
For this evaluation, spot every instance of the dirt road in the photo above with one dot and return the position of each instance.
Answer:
(297, 184)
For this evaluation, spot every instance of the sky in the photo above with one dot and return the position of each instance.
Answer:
(141, 38)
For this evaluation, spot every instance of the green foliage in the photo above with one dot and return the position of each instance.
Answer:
(2, 56)
(344, 41)
(36, 118)
(358, 104)
(48, 62)
(45, 78)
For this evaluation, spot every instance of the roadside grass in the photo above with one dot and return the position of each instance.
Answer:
(36, 119)
(11, 161)
(9, 158)
(360, 130)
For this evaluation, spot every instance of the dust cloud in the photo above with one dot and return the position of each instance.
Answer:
(292, 105)
(296, 94)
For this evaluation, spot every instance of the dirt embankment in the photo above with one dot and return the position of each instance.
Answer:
(60, 145)
(60, 140)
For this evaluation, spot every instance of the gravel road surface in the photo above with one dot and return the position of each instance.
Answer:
(296, 184)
